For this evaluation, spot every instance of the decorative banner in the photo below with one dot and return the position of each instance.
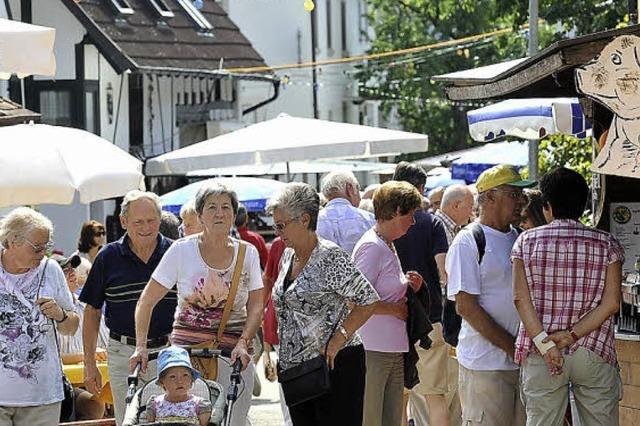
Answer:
(613, 79)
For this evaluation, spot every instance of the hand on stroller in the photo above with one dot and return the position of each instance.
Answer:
(140, 355)
(241, 351)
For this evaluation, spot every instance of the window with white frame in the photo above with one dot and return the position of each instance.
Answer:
(122, 7)
(161, 8)
(195, 15)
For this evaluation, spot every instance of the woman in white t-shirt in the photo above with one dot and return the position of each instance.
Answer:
(34, 298)
(202, 267)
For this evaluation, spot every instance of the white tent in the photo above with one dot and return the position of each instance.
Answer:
(41, 164)
(26, 49)
(285, 139)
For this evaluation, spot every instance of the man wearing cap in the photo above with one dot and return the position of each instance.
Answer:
(86, 406)
(488, 379)
(118, 276)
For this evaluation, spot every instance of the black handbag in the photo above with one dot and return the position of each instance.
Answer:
(309, 379)
(68, 405)
(305, 381)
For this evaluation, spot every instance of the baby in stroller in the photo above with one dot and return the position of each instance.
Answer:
(178, 395)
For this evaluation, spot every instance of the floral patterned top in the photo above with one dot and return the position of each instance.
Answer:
(318, 298)
(185, 412)
(30, 369)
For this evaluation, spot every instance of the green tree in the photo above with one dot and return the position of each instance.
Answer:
(404, 84)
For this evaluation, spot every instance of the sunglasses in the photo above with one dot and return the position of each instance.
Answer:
(40, 249)
(99, 233)
(279, 227)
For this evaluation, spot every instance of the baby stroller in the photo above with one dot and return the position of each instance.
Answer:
(208, 389)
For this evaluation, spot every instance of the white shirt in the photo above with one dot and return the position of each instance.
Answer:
(491, 282)
(30, 367)
(203, 291)
(73, 344)
(343, 224)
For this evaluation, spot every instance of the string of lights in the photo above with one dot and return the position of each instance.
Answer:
(372, 56)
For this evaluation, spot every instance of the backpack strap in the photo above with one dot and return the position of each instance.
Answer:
(478, 235)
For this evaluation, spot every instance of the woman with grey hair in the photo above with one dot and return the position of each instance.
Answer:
(34, 299)
(219, 286)
(321, 301)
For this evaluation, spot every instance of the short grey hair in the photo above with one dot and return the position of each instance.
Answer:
(215, 189)
(188, 208)
(136, 195)
(335, 184)
(454, 193)
(296, 199)
(20, 222)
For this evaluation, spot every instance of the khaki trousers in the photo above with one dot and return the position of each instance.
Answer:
(383, 389)
(596, 387)
(41, 415)
(490, 398)
(118, 355)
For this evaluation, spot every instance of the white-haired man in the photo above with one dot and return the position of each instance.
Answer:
(341, 221)
(118, 276)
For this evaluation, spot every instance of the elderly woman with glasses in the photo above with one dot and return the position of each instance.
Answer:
(219, 287)
(321, 301)
(34, 299)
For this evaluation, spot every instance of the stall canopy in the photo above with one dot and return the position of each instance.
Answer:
(470, 165)
(528, 119)
(42, 164)
(26, 49)
(295, 167)
(285, 139)
(252, 192)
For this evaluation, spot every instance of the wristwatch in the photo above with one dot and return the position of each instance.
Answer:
(344, 333)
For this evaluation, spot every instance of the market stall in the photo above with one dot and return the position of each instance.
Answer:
(616, 184)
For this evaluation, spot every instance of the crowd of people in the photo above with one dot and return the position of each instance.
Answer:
(484, 305)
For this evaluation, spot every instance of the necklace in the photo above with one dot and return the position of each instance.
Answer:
(390, 245)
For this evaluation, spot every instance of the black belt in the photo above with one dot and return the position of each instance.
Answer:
(131, 341)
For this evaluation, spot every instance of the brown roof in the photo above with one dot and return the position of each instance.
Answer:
(12, 113)
(139, 43)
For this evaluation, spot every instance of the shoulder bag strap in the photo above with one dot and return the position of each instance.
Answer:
(235, 281)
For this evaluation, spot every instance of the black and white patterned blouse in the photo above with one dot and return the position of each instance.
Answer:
(319, 296)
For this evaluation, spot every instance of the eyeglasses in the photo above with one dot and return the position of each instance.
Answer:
(38, 248)
(514, 195)
(279, 227)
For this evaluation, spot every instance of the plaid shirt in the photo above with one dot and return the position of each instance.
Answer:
(565, 264)
(450, 227)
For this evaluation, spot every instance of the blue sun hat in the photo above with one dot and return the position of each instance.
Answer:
(174, 356)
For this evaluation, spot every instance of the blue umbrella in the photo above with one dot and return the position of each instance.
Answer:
(252, 192)
(444, 179)
(471, 164)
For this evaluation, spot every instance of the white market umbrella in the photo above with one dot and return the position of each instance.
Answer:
(294, 167)
(42, 164)
(287, 138)
(530, 119)
(26, 49)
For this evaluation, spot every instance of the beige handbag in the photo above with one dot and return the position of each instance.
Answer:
(208, 367)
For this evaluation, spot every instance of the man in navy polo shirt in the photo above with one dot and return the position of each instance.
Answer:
(118, 276)
(421, 249)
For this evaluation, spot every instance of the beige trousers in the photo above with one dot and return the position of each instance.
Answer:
(42, 415)
(383, 389)
(596, 387)
(490, 398)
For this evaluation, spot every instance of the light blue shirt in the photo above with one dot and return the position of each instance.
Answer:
(343, 224)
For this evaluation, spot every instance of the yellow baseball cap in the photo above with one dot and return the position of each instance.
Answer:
(502, 174)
